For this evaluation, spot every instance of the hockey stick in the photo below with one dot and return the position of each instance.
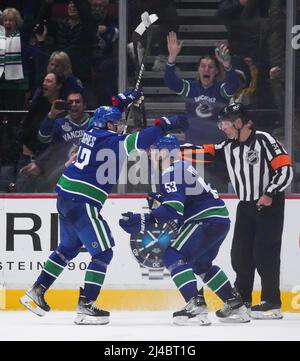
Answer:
(147, 21)
(144, 26)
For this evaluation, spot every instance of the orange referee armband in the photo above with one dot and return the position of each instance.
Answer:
(281, 161)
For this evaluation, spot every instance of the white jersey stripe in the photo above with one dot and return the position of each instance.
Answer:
(249, 166)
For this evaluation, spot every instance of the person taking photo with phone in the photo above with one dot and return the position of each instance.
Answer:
(57, 126)
(40, 106)
(61, 132)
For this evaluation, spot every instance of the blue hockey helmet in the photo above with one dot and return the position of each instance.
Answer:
(169, 142)
(106, 114)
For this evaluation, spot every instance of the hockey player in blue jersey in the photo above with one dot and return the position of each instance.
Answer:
(82, 191)
(184, 196)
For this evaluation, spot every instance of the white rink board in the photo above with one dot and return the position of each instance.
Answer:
(18, 267)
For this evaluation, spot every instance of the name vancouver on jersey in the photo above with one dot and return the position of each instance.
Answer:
(62, 129)
(75, 134)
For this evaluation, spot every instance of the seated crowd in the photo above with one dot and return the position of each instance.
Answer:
(58, 50)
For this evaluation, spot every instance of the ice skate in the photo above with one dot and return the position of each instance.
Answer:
(248, 307)
(89, 314)
(234, 311)
(194, 313)
(34, 300)
(266, 311)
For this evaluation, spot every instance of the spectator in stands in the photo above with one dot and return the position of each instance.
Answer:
(205, 95)
(74, 35)
(59, 62)
(247, 23)
(276, 47)
(13, 74)
(246, 91)
(39, 108)
(17, 4)
(55, 129)
(104, 54)
(204, 98)
(9, 152)
(62, 134)
(14, 57)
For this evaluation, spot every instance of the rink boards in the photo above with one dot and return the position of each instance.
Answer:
(29, 232)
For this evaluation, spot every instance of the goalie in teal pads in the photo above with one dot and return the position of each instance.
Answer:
(203, 221)
(82, 191)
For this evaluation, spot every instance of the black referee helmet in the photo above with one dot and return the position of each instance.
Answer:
(233, 111)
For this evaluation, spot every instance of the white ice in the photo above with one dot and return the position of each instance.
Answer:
(140, 326)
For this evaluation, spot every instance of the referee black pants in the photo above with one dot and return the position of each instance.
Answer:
(256, 245)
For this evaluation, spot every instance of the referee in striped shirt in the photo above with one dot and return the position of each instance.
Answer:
(259, 169)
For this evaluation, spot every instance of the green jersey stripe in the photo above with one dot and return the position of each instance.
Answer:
(186, 89)
(183, 242)
(178, 206)
(92, 218)
(221, 212)
(82, 188)
(131, 142)
(182, 236)
(44, 138)
(98, 227)
(107, 239)
(180, 242)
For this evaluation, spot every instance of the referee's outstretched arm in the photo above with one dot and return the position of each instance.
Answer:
(260, 166)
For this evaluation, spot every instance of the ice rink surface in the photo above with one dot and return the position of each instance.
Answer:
(140, 326)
